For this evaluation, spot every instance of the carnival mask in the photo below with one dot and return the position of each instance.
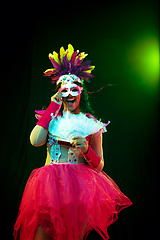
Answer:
(68, 85)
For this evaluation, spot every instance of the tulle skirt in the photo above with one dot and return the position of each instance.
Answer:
(68, 200)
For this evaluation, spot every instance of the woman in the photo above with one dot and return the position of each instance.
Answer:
(70, 195)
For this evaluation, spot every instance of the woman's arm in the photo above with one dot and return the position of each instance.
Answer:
(93, 153)
(96, 144)
(38, 136)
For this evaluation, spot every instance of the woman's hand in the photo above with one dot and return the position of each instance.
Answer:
(81, 143)
(57, 97)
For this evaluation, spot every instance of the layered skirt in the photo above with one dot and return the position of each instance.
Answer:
(68, 200)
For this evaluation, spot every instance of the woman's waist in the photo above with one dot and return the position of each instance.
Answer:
(49, 161)
(63, 154)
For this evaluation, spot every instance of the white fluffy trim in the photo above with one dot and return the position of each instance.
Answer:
(74, 125)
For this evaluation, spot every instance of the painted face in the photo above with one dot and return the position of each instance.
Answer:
(70, 89)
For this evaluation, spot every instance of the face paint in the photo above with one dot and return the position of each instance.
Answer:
(70, 88)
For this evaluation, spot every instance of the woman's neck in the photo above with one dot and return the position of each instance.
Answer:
(75, 111)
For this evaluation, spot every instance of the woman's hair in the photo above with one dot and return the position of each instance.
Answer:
(85, 105)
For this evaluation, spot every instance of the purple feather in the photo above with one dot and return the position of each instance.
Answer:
(86, 63)
(77, 71)
(70, 67)
(74, 55)
(78, 61)
(85, 68)
(66, 62)
(85, 75)
(55, 64)
(74, 69)
(64, 71)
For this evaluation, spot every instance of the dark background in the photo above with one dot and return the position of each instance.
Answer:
(121, 38)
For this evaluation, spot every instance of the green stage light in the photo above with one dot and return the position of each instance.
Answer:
(144, 60)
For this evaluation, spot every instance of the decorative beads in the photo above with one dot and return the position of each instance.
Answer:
(55, 152)
(73, 155)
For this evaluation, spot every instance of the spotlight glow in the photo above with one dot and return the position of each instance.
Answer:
(144, 58)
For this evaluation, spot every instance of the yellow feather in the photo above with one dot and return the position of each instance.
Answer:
(82, 55)
(70, 51)
(55, 57)
(49, 70)
(89, 71)
(50, 55)
(92, 67)
(62, 53)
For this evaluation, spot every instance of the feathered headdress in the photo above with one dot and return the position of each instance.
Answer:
(69, 62)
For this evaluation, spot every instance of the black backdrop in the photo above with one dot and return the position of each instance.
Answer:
(105, 31)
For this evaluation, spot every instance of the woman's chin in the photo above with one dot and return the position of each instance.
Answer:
(72, 108)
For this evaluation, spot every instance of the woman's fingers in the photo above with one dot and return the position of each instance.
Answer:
(75, 143)
(75, 138)
(80, 143)
(57, 96)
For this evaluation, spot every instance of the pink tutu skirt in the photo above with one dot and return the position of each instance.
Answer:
(69, 200)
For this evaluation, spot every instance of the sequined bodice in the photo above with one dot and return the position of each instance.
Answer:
(55, 145)
(61, 131)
